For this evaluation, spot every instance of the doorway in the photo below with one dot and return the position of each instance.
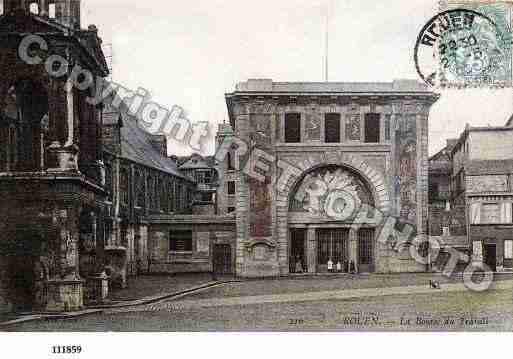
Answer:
(332, 246)
(491, 256)
(223, 259)
(297, 257)
(366, 250)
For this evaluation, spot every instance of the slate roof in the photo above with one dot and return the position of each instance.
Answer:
(136, 144)
(203, 162)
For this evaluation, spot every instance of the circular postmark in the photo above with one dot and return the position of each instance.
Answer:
(463, 47)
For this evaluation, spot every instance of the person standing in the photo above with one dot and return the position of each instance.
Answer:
(330, 265)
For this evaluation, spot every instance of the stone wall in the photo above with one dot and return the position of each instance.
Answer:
(396, 170)
(200, 259)
(490, 145)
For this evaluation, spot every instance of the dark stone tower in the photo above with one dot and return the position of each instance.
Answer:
(52, 179)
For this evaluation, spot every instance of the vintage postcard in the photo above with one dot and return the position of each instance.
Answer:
(270, 166)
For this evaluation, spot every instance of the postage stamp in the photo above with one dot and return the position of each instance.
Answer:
(467, 44)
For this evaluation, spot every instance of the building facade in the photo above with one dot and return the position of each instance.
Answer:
(447, 218)
(52, 176)
(365, 141)
(482, 181)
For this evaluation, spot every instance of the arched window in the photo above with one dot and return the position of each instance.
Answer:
(34, 8)
(229, 161)
(124, 187)
(22, 123)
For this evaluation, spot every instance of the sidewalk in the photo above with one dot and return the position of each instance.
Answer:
(140, 290)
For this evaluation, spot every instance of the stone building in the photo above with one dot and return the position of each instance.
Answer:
(52, 176)
(203, 241)
(346, 143)
(447, 221)
(141, 181)
(482, 181)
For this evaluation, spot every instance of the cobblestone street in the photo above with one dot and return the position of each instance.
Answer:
(401, 302)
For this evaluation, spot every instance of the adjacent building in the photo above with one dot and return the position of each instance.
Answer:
(482, 181)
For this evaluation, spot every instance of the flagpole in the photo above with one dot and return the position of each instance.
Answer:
(326, 54)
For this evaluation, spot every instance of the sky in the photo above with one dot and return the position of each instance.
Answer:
(190, 53)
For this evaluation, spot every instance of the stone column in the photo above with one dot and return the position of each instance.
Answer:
(65, 290)
(311, 250)
(43, 8)
(353, 253)
(477, 252)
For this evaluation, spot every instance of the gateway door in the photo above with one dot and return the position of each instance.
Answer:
(332, 246)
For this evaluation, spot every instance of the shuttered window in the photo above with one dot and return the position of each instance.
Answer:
(180, 241)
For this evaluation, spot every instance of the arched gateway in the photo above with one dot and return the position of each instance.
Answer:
(324, 233)
(370, 138)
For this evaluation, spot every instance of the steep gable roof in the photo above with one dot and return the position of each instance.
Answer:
(136, 144)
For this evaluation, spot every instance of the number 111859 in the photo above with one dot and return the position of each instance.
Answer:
(66, 349)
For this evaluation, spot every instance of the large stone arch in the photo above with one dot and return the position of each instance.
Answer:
(376, 182)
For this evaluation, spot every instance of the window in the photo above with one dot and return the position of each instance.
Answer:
(372, 128)
(163, 195)
(108, 177)
(231, 187)
(388, 129)
(124, 235)
(180, 241)
(151, 192)
(171, 191)
(433, 191)
(508, 249)
(206, 197)
(292, 127)
(231, 209)
(208, 177)
(178, 191)
(140, 189)
(332, 128)
(124, 186)
(24, 117)
(229, 161)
